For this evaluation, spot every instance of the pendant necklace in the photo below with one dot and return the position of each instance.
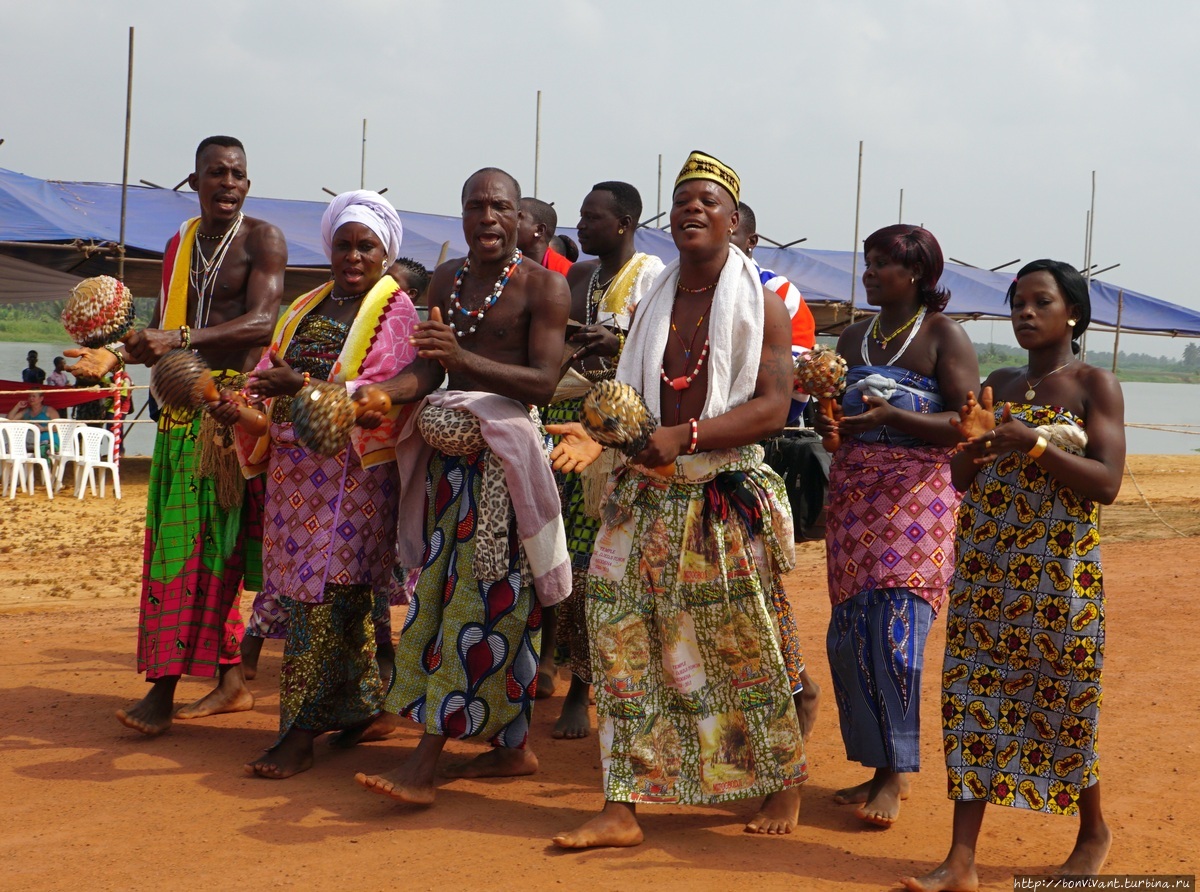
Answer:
(1029, 394)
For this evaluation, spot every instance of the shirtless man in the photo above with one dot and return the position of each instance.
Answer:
(497, 324)
(222, 283)
(535, 229)
(603, 293)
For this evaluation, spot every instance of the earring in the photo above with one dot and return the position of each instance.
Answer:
(913, 280)
(731, 232)
(621, 231)
(1071, 322)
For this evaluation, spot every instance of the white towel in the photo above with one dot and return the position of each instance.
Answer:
(735, 336)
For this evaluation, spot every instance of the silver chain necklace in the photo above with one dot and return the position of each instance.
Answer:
(204, 271)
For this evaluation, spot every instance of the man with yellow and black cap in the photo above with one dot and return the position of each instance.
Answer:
(693, 698)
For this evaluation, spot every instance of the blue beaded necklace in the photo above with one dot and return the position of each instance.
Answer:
(456, 304)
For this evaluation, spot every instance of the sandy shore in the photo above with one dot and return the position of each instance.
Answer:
(87, 804)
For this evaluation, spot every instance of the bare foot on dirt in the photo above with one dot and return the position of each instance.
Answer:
(946, 877)
(152, 714)
(290, 756)
(779, 814)
(1086, 859)
(251, 649)
(230, 695)
(616, 825)
(546, 682)
(500, 761)
(401, 785)
(807, 702)
(385, 659)
(857, 795)
(381, 727)
(882, 807)
(574, 722)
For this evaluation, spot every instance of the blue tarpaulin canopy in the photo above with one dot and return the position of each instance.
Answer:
(72, 227)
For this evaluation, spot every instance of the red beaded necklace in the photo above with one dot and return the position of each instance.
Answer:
(683, 382)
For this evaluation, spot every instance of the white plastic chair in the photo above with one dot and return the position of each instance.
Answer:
(64, 447)
(25, 457)
(6, 460)
(97, 448)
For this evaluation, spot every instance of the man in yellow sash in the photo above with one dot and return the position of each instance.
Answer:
(222, 283)
(603, 294)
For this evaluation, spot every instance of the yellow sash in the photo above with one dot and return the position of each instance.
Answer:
(173, 302)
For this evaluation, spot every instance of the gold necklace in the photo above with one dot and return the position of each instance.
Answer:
(883, 342)
(1029, 394)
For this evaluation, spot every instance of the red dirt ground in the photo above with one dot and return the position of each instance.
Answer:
(87, 804)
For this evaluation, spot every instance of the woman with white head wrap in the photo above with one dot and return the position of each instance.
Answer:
(327, 564)
(371, 210)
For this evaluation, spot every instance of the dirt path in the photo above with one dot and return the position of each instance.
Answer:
(86, 804)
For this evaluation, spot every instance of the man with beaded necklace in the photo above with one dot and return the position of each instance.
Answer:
(604, 292)
(222, 284)
(467, 662)
(691, 688)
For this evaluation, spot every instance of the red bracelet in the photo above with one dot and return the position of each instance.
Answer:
(307, 379)
(695, 437)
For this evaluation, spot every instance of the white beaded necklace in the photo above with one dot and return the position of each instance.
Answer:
(205, 270)
(911, 334)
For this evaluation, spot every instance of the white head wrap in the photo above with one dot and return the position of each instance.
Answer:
(370, 209)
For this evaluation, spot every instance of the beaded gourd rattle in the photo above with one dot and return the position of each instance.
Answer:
(614, 414)
(323, 415)
(182, 380)
(822, 373)
(99, 312)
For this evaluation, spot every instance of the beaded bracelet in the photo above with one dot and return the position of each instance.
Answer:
(307, 379)
(1039, 447)
(119, 357)
(695, 437)
(185, 337)
(620, 341)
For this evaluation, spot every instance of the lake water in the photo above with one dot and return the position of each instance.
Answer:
(1145, 403)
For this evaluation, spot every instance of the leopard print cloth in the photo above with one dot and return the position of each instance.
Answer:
(457, 432)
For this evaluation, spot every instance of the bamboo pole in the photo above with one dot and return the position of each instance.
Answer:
(537, 144)
(659, 209)
(125, 167)
(362, 167)
(900, 218)
(1091, 228)
(1117, 337)
(854, 248)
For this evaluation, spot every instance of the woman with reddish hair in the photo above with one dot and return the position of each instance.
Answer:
(890, 525)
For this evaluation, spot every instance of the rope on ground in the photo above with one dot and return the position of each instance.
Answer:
(1129, 471)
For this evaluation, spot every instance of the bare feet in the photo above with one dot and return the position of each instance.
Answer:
(882, 807)
(546, 682)
(230, 695)
(499, 761)
(399, 785)
(857, 795)
(779, 813)
(378, 728)
(291, 755)
(944, 878)
(251, 648)
(616, 825)
(574, 722)
(152, 714)
(807, 702)
(413, 781)
(1091, 849)
(385, 658)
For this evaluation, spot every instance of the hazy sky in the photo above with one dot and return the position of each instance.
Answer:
(990, 116)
